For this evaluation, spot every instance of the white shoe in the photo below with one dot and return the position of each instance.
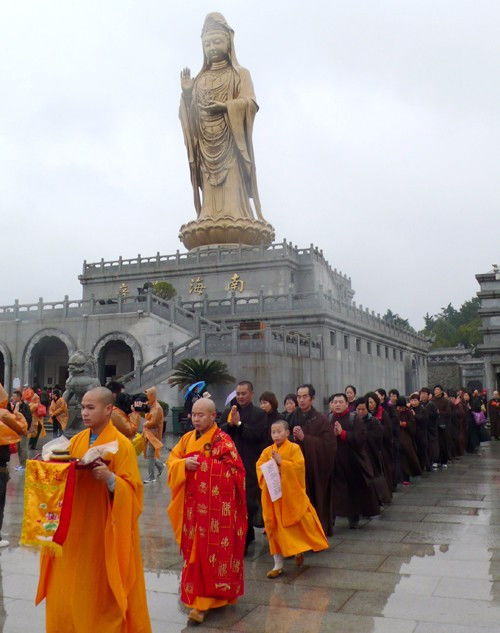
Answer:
(20, 467)
(148, 481)
(4, 543)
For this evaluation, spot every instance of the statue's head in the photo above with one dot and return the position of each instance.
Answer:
(217, 40)
(81, 363)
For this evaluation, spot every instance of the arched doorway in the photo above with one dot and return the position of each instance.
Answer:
(115, 359)
(48, 363)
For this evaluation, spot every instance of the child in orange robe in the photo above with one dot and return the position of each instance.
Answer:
(291, 522)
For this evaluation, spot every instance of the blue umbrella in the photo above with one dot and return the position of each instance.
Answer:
(201, 385)
(230, 397)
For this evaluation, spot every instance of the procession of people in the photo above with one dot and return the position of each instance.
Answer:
(289, 475)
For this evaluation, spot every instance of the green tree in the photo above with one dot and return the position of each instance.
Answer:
(394, 319)
(164, 290)
(191, 370)
(452, 327)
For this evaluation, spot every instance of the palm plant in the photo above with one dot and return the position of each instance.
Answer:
(191, 370)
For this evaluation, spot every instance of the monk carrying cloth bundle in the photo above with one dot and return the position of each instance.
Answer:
(49, 489)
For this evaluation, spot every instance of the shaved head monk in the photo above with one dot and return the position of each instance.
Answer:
(97, 584)
(208, 513)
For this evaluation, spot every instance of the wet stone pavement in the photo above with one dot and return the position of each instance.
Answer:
(429, 564)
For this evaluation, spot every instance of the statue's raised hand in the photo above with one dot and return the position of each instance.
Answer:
(187, 82)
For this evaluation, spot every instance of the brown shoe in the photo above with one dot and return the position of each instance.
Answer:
(299, 560)
(274, 573)
(195, 615)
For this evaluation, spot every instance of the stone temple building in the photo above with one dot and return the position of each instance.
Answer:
(277, 315)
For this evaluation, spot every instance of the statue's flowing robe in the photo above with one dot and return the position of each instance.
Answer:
(291, 522)
(219, 146)
(208, 515)
(97, 584)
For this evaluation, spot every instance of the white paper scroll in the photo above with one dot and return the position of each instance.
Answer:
(272, 476)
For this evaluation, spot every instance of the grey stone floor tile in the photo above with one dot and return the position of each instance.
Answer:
(476, 589)
(366, 581)
(283, 620)
(437, 566)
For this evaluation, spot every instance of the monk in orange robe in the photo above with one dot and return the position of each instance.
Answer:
(58, 412)
(153, 433)
(37, 428)
(208, 513)
(97, 584)
(291, 522)
(12, 426)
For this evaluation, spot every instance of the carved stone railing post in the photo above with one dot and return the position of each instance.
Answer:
(203, 341)
(268, 339)
(233, 302)
(66, 306)
(16, 308)
(40, 307)
(283, 338)
(149, 300)
(170, 353)
(235, 335)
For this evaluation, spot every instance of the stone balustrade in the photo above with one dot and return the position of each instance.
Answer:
(209, 256)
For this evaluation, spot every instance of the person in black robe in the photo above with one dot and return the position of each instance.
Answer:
(473, 433)
(374, 443)
(421, 431)
(378, 412)
(248, 427)
(444, 408)
(493, 410)
(351, 395)
(410, 465)
(353, 489)
(290, 403)
(315, 436)
(390, 410)
(432, 428)
(269, 404)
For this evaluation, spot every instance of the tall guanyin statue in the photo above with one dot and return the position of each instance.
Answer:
(217, 112)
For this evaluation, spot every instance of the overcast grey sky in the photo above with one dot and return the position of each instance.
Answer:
(378, 137)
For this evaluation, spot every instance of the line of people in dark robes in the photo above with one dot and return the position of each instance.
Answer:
(358, 453)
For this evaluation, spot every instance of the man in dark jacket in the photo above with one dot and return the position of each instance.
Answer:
(445, 410)
(315, 435)
(354, 493)
(247, 425)
(432, 429)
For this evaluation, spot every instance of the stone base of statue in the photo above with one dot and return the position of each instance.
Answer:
(226, 230)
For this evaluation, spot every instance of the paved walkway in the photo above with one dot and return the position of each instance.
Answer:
(430, 564)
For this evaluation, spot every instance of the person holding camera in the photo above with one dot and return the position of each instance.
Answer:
(123, 415)
(153, 433)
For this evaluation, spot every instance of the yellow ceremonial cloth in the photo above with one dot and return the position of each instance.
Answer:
(43, 496)
(292, 524)
(176, 480)
(98, 582)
